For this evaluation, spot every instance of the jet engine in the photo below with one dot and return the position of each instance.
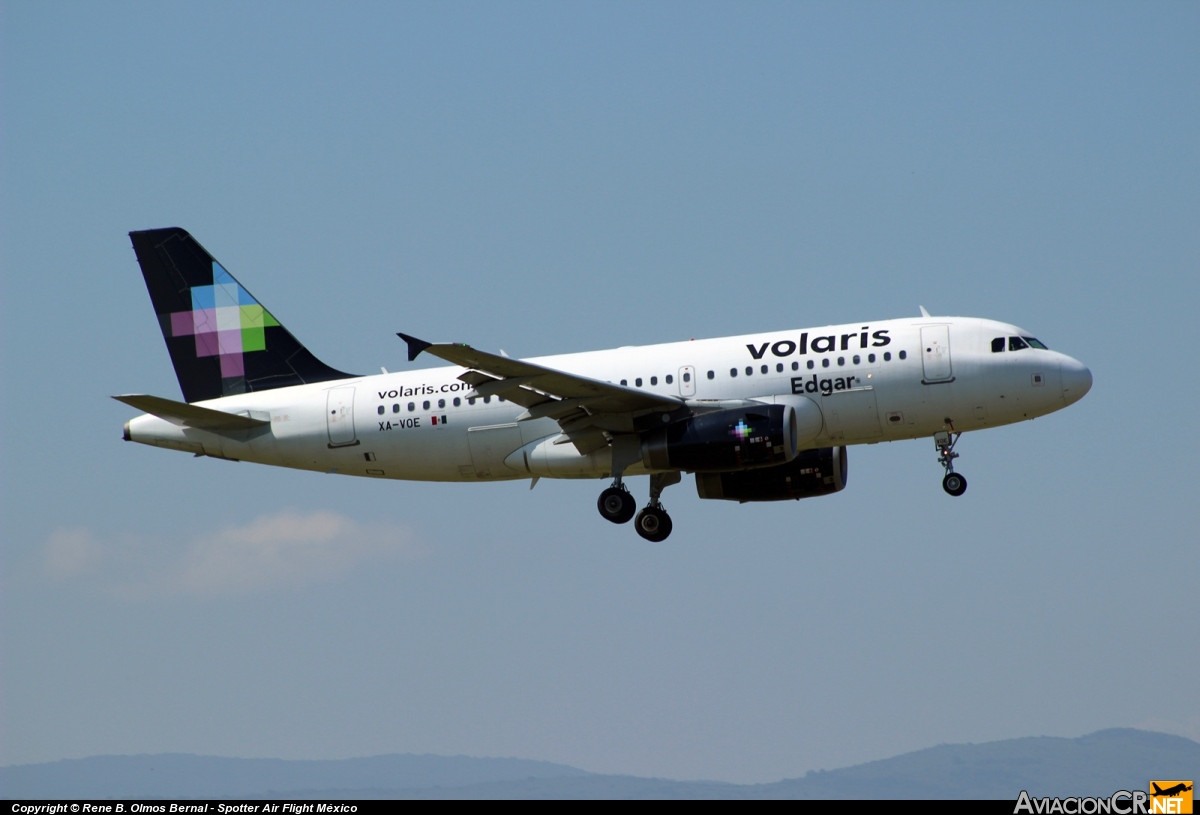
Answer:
(812, 472)
(732, 439)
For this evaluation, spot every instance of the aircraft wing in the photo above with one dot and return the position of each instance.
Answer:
(583, 407)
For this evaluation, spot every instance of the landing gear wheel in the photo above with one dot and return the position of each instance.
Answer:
(653, 524)
(954, 484)
(616, 505)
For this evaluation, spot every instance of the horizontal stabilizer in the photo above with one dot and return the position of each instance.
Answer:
(186, 415)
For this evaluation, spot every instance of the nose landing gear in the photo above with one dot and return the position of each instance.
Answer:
(954, 483)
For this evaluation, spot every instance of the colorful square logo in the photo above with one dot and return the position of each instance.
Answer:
(226, 322)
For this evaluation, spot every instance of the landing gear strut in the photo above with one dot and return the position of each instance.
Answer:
(953, 483)
(653, 523)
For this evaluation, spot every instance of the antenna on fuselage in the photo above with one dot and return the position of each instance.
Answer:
(924, 313)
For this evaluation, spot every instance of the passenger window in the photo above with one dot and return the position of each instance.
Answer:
(470, 401)
(712, 374)
(811, 365)
(779, 368)
(1016, 344)
(396, 408)
(487, 400)
(733, 373)
(686, 378)
(887, 356)
(749, 370)
(381, 410)
(903, 355)
(997, 345)
(870, 357)
(825, 363)
(857, 359)
(425, 405)
(457, 401)
(764, 369)
(625, 382)
(841, 361)
(638, 381)
(412, 406)
(654, 380)
(442, 403)
(795, 366)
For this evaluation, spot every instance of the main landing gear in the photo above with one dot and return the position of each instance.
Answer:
(652, 523)
(953, 483)
(616, 504)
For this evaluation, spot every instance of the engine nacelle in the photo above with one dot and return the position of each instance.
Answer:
(812, 472)
(734, 439)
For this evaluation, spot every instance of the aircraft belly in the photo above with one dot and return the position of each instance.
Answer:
(423, 453)
(931, 405)
(852, 415)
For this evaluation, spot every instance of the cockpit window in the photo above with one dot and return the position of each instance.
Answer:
(1035, 343)
(1016, 344)
(997, 345)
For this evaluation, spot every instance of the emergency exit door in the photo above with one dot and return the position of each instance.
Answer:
(687, 381)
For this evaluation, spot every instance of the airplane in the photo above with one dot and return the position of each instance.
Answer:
(760, 417)
(1170, 792)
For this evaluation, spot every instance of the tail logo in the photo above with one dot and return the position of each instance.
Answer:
(226, 322)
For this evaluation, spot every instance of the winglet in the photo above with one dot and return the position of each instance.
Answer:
(415, 346)
(924, 313)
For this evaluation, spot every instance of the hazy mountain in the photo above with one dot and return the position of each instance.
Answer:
(1097, 764)
(172, 775)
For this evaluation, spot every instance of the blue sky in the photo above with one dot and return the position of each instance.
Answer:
(559, 177)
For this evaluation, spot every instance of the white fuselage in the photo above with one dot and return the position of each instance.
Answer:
(881, 381)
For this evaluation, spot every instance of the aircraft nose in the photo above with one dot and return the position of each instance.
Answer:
(1076, 380)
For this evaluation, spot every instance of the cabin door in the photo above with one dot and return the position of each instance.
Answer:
(935, 353)
(339, 416)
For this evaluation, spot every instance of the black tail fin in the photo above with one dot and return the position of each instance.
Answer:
(222, 342)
